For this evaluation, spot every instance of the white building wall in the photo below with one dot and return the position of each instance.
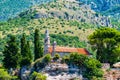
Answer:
(63, 54)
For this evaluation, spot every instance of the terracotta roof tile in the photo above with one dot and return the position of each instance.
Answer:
(69, 50)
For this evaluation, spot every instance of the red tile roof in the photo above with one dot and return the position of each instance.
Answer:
(69, 50)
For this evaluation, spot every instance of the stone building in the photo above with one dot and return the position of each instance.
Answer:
(60, 50)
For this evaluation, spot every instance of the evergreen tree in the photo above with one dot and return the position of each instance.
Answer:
(11, 54)
(106, 41)
(29, 51)
(25, 52)
(23, 45)
(38, 50)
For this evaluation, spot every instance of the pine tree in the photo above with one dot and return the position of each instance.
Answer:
(38, 50)
(25, 52)
(11, 54)
(106, 43)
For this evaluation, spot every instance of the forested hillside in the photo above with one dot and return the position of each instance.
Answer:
(11, 8)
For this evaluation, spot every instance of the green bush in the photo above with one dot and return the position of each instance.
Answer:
(65, 59)
(15, 78)
(56, 57)
(46, 58)
(37, 76)
(93, 69)
(4, 75)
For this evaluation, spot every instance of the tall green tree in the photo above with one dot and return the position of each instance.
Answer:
(38, 50)
(11, 53)
(106, 41)
(23, 45)
(25, 51)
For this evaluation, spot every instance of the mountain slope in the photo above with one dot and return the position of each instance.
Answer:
(71, 18)
(71, 10)
(105, 7)
(10, 8)
(102, 5)
(27, 21)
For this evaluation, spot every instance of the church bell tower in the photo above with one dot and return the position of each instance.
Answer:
(46, 42)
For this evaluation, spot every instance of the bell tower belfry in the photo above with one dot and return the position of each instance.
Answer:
(46, 42)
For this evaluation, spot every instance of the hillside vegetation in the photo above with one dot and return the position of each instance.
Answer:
(11, 8)
(71, 10)
(70, 21)
(65, 17)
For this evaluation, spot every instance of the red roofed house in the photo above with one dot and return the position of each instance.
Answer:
(60, 50)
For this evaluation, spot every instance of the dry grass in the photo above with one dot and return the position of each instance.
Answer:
(55, 26)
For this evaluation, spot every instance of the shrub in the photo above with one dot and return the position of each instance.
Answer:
(37, 76)
(93, 69)
(65, 59)
(46, 58)
(38, 64)
(56, 56)
(4, 75)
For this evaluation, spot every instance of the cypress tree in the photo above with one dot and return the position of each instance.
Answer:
(25, 52)
(38, 50)
(11, 53)
(29, 51)
(23, 45)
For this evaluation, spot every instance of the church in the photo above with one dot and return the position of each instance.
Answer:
(62, 51)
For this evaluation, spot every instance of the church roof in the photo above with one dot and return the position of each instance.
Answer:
(68, 50)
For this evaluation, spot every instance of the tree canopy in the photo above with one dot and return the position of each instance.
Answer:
(11, 54)
(92, 66)
(106, 41)
(25, 52)
(38, 50)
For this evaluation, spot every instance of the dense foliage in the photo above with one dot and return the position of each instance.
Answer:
(26, 54)
(37, 76)
(38, 50)
(64, 40)
(4, 75)
(40, 63)
(11, 54)
(77, 59)
(93, 69)
(56, 57)
(106, 42)
(91, 65)
(46, 58)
